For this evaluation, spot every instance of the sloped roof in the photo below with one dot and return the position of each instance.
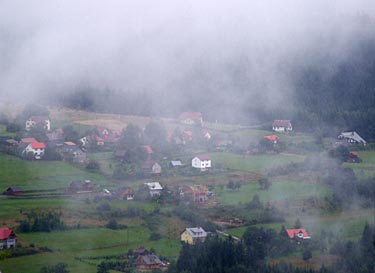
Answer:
(5, 233)
(15, 189)
(38, 145)
(298, 232)
(148, 149)
(203, 157)
(190, 115)
(69, 143)
(154, 186)
(148, 260)
(352, 135)
(281, 123)
(39, 119)
(176, 163)
(28, 140)
(197, 232)
(272, 138)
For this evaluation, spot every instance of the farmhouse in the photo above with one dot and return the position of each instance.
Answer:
(193, 235)
(352, 138)
(191, 118)
(148, 262)
(282, 126)
(70, 152)
(202, 162)
(36, 149)
(273, 138)
(38, 122)
(14, 191)
(176, 163)
(7, 238)
(125, 193)
(154, 188)
(196, 193)
(151, 167)
(298, 234)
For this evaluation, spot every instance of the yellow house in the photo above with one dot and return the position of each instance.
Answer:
(193, 235)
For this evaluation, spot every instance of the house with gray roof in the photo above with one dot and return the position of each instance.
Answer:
(352, 138)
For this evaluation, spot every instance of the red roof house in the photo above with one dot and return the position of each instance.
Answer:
(7, 238)
(191, 118)
(272, 138)
(28, 140)
(282, 126)
(298, 233)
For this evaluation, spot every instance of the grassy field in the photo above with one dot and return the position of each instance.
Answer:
(41, 174)
(252, 162)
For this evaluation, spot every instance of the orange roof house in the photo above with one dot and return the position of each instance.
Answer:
(298, 233)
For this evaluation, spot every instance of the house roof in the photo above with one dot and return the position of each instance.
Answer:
(281, 123)
(38, 145)
(148, 260)
(15, 189)
(69, 143)
(354, 153)
(154, 186)
(176, 163)
(298, 232)
(352, 135)
(188, 133)
(148, 149)
(28, 140)
(203, 157)
(39, 119)
(5, 233)
(190, 115)
(197, 232)
(272, 138)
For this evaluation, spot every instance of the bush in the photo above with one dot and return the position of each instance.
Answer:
(154, 236)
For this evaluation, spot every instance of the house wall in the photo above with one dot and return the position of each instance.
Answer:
(186, 237)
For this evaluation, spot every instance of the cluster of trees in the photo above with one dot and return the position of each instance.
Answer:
(38, 221)
(249, 255)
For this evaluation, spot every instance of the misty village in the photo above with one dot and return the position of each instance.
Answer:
(187, 137)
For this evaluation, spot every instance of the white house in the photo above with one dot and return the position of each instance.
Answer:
(7, 238)
(282, 126)
(41, 121)
(201, 162)
(155, 188)
(37, 148)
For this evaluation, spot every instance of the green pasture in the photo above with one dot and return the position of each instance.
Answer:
(3, 131)
(284, 190)
(33, 175)
(366, 168)
(253, 162)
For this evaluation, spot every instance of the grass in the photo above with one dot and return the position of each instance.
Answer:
(253, 162)
(41, 174)
(279, 191)
(3, 131)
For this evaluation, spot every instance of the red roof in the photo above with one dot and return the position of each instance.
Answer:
(203, 157)
(273, 138)
(38, 145)
(69, 143)
(39, 119)
(292, 233)
(188, 133)
(28, 140)
(281, 123)
(148, 149)
(5, 233)
(191, 115)
(354, 153)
